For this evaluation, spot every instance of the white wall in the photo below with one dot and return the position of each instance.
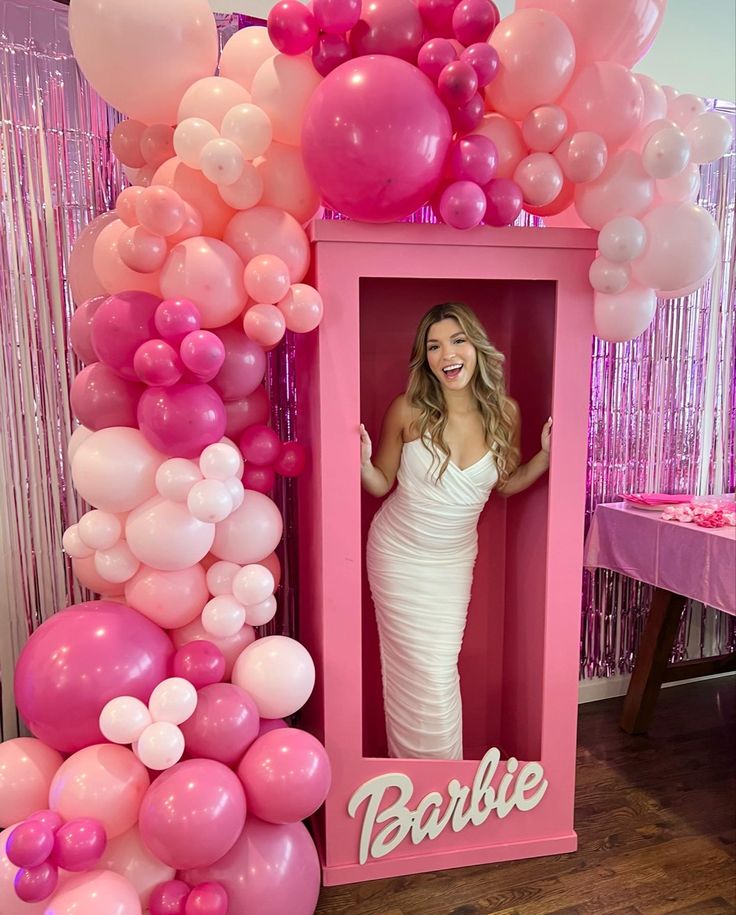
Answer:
(694, 50)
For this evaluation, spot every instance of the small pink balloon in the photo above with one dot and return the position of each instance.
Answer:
(125, 205)
(169, 898)
(207, 899)
(329, 52)
(583, 156)
(292, 27)
(259, 479)
(336, 16)
(484, 60)
(457, 83)
(79, 844)
(160, 209)
(230, 646)
(473, 158)
(540, 178)
(141, 250)
(437, 14)
(157, 144)
(503, 202)
(49, 818)
(462, 204)
(250, 533)
(157, 363)
(292, 460)
(119, 326)
(266, 278)
(467, 117)
(434, 56)
(100, 398)
(302, 308)
(201, 663)
(80, 329)
(182, 420)
(34, 884)
(30, 844)
(474, 20)
(192, 225)
(544, 127)
(203, 353)
(264, 324)
(223, 725)
(388, 27)
(255, 408)
(175, 318)
(244, 366)
(126, 143)
(260, 445)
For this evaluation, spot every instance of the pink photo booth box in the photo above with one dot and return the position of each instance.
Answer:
(512, 795)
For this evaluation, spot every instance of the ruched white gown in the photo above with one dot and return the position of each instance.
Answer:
(420, 555)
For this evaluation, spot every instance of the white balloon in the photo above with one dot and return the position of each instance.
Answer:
(682, 188)
(124, 718)
(236, 490)
(710, 137)
(219, 461)
(209, 500)
(249, 127)
(666, 153)
(160, 746)
(684, 108)
(223, 616)
(221, 162)
(175, 477)
(80, 434)
(608, 276)
(220, 577)
(73, 544)
(173, 700)
(190, 138)
(262, 613)
(278, 673)
(118, 564)
(622, 239)
(253, 584)
(100, 530)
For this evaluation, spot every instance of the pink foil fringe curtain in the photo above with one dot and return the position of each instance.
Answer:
(659, 419)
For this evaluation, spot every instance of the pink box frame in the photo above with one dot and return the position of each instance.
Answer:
(330, 543)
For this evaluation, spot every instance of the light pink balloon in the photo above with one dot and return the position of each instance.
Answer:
(126, 143)
(192, 226)
(209, 273)
(175, 477)
(286, 184)
(683, 242)
(266, 278)
(302, 308)
(116, 564)
(114, 275)
(278, 674)
(104, 781)
(220, 577)
(282, 87)
(157, 144)
(624, 316)
(623, 189)
(682, 188)
(622, 239)
(223, 616)
(160, 210)
(231, 647)
(246, 192)
(268, 230)
(128, 856)
(252, 584)
(544, 127)
(261, 613)
(221, 162)
(141, 250)
(197, 191)
(114, 469)
(510, 144)
(685, 108)
(666, 153)
(83, 279)
(655, 101)
(125, 205)
(264, 324)
(251, 532)
(190, 138)
(170, 599)
(165, 536)
(537, 58)
(605, 98)
(85, 571)
(582, 156)
(94, 892)
(244, 53)
(609, 276)
(540, 178)
(710, 136)
(249, 127)
(210, 500)
(27, 767)
(211, 98)
(123, 719)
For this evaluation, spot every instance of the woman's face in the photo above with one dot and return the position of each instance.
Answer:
(450, 355)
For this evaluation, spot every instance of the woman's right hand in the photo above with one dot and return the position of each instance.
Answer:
(366, 447)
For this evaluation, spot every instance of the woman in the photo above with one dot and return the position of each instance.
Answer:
(449, 440)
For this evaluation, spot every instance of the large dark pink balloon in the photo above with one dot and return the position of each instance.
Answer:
(223, 725)
(244, 365)
(101, 398)
(375, 138)
(80, 329)
(121, 323)
(392, 27)
(181, 420)
(77, 661)
(271, 870)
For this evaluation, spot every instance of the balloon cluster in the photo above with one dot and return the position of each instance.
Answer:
(174, 897)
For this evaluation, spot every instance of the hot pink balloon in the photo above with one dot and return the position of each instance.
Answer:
(255, 408)
(437, 15)
(292, 27)
(390, 27)
(182, 420)
(100, 398)
(457, 83)
(467, 117)
(605, 98)
(175, 318)
(169, 599)
(244, 366)
(102, 650)
(224, 724)
(473, 158)
(200, 662)
(207, 899)
(26, 768)
(157, 363)
(434, 56)
(31, 843)
(503, 202)
(193, 813)
(260, 445)
(33, 884)
(120, 324)
(484, 60)
(271, 724)
(250, 532)
(292, 460)
(126, 144)
(282, 866)
(80, 329)
(377, 175)
(474, 20)
(336, 16)
(329, 52)
(582, 156)
(169, 898)
(79, 844)
(268, 230)
(623, 189)
(462, 204)
(259, 479)
(203, 353)
(231, 646)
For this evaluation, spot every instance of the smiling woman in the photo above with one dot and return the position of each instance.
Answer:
(448, 442)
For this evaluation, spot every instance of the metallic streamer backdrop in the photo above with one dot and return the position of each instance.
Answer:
(663, 409)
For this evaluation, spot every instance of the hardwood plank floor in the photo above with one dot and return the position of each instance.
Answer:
(655, 816)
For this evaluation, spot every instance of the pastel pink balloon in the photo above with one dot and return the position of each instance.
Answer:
(255, 408)
(462, 204)
(157, 363)
(605, 98)
(261, 613)
(157, 144)
(141, 250)
(544, 127)
(193, 813)
(99, 398)
(126, 143)
(624, 316)
(292, 27)
(266, 278)
(94, 892)
(114, 469)
(177, 46)
(175, 318)
(244, 366)
(249, 128)
(540, 178)
(200, 662)
(243, 54)
(208, 273)
(127, 856)
(710, 136)
(119, 326)
(259, 479)
(666, 153)
(329, 52)
(109, 267)
(609, 276)
(278, 673)
(434, 55)
(655, 101)
(622, 239)
(509, 142)
(685, 108)
(367, 173)
(537, 58)
(282, 87)
(200, 193)
(582, 156)
(286, 774)
(292, 460)
(302, 308)
(125, 205)
(286, 184)
(83, 279)
(268, 230)
(260, 445)
(282, 866)
(620, 32)
(165, 536)
(85, 571)
(210, 98)
(27, 766)
(224, 724)
(503, 202)
(230, 646)
(474, 20)
(193, 225)
(169, 599)
(250, 532)
(388, 27)
(623, 189)
(160, 209)
(682, 188)
(264, 324)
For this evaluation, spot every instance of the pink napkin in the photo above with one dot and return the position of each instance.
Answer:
(655, 498)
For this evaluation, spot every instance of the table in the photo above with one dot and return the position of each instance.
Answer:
(681, 561)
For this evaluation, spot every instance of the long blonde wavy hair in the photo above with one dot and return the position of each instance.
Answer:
(424, 391)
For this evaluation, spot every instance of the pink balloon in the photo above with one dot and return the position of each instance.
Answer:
(582, 156)
(201, 663)
(655, 101)
(474, 158)
(203, 353)
(265, 325)
(259, 479)
(128, 856)
(292, 460)
(165, 536)
(624, 316)
(462, 204)
(169, 599)
(503, 202)
(103, 650)
(278, 673)
(609, 276)
(207, 899)
(539, 177)
(282, 87)
(377, 175)
(271, 724)
(467, 117)
(83, 279)
(125, 205)
(682, 188)
(112, 273)
(484, 60)
(169, 898)
(33, 884)
(80, 329)
(224, 724)
(106, 781)
(126, 144)
(537, 58)
(10, 903)
(457, 83)
(244, 366)
(286, 184)
(437, 15)
(157, 144)
(620, 32)
(243, 54)
(336, 16)
(260, 445)
(95, 892)
(231, 646)
(30, 844)
(202, 195)
(329, 52)
(267, 230)
(181, 420)
(390, 27)
(27, 767)
(266, 278)
(302, 308)
(292, 27)
(79, 844)
(193, 813)
(157, 363)
(282, 866)
(160, 209)
(175, 318)
(250, 532)
(623, 189)
(605, 98)
(89, 578)
(210, 98)
(255, 408)
(193, 225)
(434, 55)
(510, 145)
(544, 127)
(99, 398)
(286, 774)
(141, 250)
(120, 324)
(474, 20)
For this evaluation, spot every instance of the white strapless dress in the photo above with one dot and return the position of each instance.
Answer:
(420, 555)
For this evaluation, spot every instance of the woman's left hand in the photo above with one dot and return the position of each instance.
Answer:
(547, 436)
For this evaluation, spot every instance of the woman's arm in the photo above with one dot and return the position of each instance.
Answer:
(377, 476)
(526, 474)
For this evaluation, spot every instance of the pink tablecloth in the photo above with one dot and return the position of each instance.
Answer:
(694, 561)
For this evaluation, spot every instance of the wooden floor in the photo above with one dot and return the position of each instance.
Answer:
(655, 816)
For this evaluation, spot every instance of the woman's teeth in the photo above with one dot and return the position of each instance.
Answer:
(452, 371)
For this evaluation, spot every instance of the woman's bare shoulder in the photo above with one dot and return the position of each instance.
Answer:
(403, 414)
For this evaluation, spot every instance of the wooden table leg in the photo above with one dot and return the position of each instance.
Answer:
(654, 652)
